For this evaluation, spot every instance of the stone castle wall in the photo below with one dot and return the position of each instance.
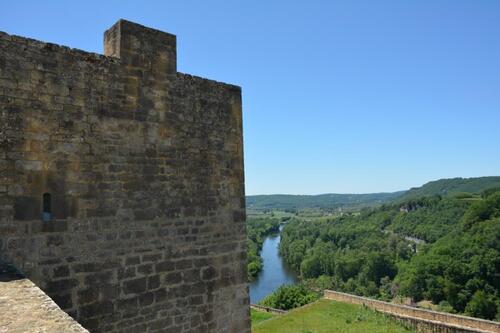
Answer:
(144, 170)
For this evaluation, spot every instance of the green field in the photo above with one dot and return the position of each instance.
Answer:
(329, 316)
(259, 316)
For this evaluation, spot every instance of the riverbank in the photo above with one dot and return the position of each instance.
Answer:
(274, 271)
(257, 231)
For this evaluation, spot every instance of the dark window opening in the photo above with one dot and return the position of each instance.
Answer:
(47, 207)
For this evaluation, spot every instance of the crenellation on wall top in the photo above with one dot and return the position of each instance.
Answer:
(141, 47)
(214, 83)
(76, 53)
(125, 43)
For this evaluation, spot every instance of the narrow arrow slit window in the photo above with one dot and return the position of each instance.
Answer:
(47, 207)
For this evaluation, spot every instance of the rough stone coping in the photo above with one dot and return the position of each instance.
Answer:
(26, 308)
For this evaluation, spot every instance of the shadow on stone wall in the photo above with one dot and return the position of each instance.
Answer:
(9, 273)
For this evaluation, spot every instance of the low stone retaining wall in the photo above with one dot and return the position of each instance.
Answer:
(429, 326)
(266, 309)
(420, 319)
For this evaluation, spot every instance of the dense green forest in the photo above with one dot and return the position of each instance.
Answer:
(374, 253)
(442, 187)
(290, 296)
(428, 218)
(453, 186)
(257, 229)
(322, 201)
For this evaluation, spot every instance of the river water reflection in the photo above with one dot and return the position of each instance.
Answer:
(274, 273)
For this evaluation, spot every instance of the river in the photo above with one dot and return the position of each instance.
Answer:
(274, 272)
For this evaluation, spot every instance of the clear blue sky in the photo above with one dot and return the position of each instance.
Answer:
(339, 96)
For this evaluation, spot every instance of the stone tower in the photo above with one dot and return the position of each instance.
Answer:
(121, 184)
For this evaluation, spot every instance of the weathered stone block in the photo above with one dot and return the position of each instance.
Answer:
(146, 299)
(151, 257)
(86, 296)
(124, 273)
(61, 271)
(64, 301)
(86, 267)
(173, 278)
(55, 240)
(135, 286)
(145, 269)
(128, 305)
(160, 295)
(60, 285)
(153, 282)
(165, 266)
(100, 278)
(132, 261)
(96, 309)
(29, 165)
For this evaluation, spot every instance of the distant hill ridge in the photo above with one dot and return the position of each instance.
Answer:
(443, 187)
(451, 186)
(323, 201)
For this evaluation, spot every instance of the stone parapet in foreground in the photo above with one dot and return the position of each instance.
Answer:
(26, 308)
